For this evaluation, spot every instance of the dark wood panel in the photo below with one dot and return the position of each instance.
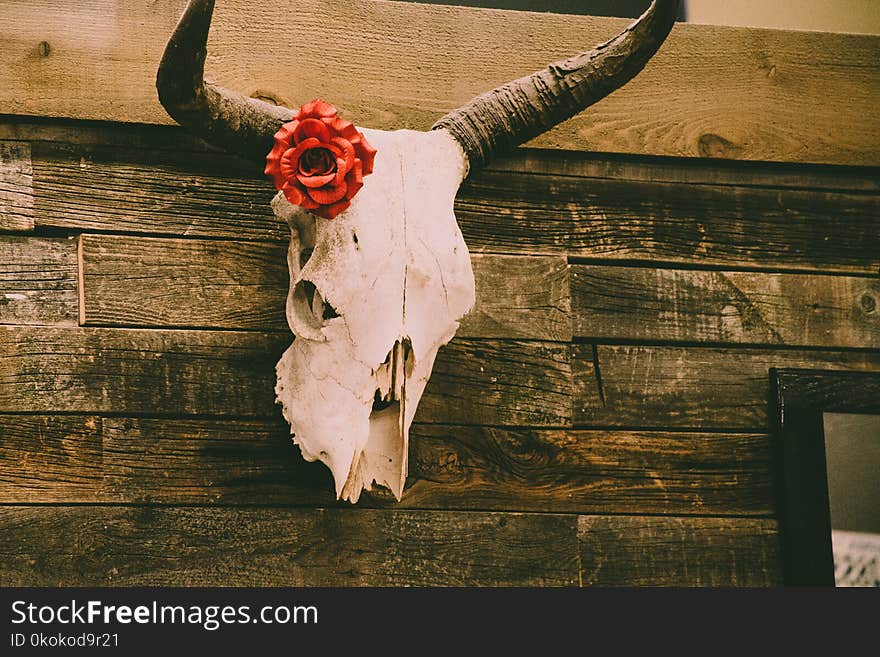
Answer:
(135, 281)
(631, 303)
(233, 374)
(38, 281)
(751, 94)
(137, 371)
(500, 383)
(693, 171)
(697, 171)
(146, 546)
(695, 387)
(50, 459)
(838, 392)
(590, 471)
(229, 462)
(651, 551)
(675, 223)
(16, 187)
(163, 192)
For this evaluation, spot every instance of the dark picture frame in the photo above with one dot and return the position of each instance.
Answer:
(800, 398)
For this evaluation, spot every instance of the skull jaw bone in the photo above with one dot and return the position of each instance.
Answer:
(374, 294)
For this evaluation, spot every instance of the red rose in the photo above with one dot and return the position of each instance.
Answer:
(319, 160)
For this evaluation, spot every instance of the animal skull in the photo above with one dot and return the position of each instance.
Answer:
(376, 291)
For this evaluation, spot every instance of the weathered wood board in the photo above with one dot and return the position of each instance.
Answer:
(74, 459)
(179, 194)
(38, 281)
(649, 304)
(154, 546)
(232, 373)
(194, 546)
(693, 387)
(613, 220)
(16, 187)
(134, 281)
(134, 138)
(711, 91)
(645, 551)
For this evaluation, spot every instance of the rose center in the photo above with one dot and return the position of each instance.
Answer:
(317, 162)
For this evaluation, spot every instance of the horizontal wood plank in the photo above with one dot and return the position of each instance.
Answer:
(51, 459)
(38, 281)
(746, 94)
(607, 219)
(131, 281)
(692, 171)
(232, 373)
(90, 135)
(145, 546)
(839, 392)
(16, 187)
(233, 462)
(158, 192)
(645, 551)
(177, 194)
(628, 303)
(693, 387)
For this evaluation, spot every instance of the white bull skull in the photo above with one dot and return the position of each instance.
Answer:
(377, 290)
(374, 293)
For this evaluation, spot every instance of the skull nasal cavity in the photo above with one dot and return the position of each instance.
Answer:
(309, 305)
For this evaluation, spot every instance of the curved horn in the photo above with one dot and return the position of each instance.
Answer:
(520, 110)
(221, 117)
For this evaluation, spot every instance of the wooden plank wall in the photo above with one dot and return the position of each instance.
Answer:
(601, 417)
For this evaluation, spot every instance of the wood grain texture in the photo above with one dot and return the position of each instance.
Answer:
(159, 192)
(101, 546)
(628, 303)
(749, 94)
(695, 171)
(235, 462)
(16, 187)
(47, 459)
(645, 551)
(163, 192)
(607, 219)
(231, 373)
(694, 387)
(801, 390)
(38, 281)
(590, 471)
(500, 383)
(132, 281)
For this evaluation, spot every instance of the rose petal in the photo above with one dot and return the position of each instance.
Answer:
(295, 195)
(327, 194)
(273, 165)
(290, 159)
(343, 128)
(330, 211)
(366, 153)
(311, 128)
(284, 136)
(347, 151)
(354, 180)
(340, 172)
(316, 109)
(317, 181)
(317, 162)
